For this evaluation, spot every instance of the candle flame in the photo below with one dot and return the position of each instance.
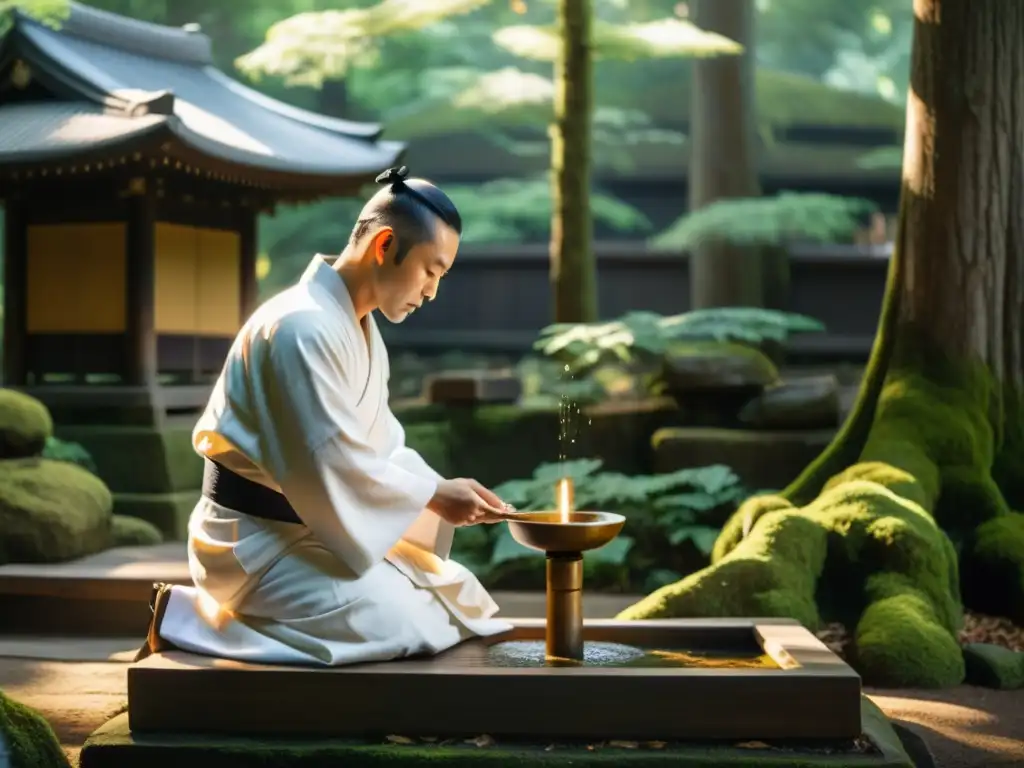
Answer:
(565, 498)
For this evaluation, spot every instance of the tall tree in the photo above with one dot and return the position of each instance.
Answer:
(573, 267)
(936, 439)
(723, 156)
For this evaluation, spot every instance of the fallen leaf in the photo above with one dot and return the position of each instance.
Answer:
(428, 739)
(549, 748)
(624, 744)
(753, 745)
(482, 740)
(654, 744)
(400, 739)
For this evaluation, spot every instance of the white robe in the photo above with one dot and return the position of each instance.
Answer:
(301, 406)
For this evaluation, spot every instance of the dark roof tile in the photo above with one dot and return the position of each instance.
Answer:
(114, 61)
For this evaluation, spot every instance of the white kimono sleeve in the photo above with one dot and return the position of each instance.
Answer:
(429, 531)
(357, 502)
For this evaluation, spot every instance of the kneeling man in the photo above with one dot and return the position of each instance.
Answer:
(321, 538)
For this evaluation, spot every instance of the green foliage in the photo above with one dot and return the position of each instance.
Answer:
(29, 740)
(672, 520)
(882, 157)
(50, 12)
(669, 37)
(647, 334)
(512, 210)
(73, 453)
(454, 99)
(768, 221)
(291, 237)
(310, 47)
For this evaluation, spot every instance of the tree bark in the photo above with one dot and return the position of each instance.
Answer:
(723, 155)
(922, 523)
(573, 267)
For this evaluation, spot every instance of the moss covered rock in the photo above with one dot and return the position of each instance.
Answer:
(126, 531)
(994, 666)
(867, 551)
(51, 511)
(29, 740)
(25, 425)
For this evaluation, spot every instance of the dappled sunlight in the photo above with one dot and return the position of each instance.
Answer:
(309, 46)
(88, 127)
(919, 146)
(626, 42)
(969, 727)
(509, 87)
(218, 129)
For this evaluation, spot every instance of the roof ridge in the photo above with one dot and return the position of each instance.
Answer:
(155, 41)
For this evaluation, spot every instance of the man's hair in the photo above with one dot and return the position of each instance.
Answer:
(412, 208)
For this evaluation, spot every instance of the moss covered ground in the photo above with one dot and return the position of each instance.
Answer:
(29, 740)
(113, 746)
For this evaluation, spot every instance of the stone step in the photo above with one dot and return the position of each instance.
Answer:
(107, 594)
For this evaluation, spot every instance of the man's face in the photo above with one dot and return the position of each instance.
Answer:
(402, 288)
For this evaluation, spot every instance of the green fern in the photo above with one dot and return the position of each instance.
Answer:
(659, 508)
(768, 221)
(664, 38)
(583, 346)
(72, 453)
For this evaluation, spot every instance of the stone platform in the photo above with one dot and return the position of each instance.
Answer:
(115, 746)
(783, 683)
(107, 594)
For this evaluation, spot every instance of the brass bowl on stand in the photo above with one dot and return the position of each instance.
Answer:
(563, 542)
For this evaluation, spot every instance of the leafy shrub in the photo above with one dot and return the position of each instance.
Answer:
(672, 521)
(582, 346)
(73, 453)
(769, 221)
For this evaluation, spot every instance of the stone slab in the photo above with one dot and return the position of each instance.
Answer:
(115, 745)
(810, 693)
(468, 387)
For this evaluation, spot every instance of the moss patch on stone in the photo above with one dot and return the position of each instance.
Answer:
(51, 511)
(875, 549)
(993, 666)
(25, 425)
(114, 746)
(133, 532)
(29, 739)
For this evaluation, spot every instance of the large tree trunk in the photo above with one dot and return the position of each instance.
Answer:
(573, 267)
(723, 155)
(935, 442)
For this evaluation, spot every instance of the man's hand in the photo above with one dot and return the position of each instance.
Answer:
(465, 502)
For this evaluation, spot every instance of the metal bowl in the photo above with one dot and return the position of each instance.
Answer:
(547, 532)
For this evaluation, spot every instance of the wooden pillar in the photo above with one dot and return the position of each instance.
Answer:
(15, 293)
(140, 337)
(247, 263)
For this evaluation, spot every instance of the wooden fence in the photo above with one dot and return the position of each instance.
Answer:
(496, 299)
